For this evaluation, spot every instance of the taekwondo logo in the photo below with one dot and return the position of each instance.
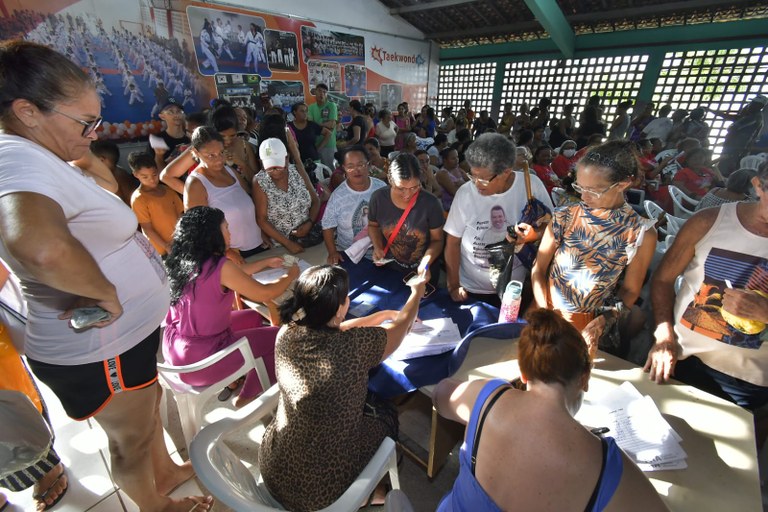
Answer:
(381, 55)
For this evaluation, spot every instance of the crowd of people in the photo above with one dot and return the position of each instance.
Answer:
(421, 195)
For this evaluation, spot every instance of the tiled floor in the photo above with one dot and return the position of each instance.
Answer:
(83, 449)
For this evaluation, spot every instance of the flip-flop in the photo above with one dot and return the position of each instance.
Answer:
(40, 498)
(226, 393)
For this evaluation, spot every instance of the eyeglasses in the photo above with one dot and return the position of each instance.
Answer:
(88, 126)
(597, 195)
(273, 170)
(403, 190)
(480, 181)
(360, 166)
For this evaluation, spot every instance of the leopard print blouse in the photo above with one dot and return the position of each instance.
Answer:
(319, 440)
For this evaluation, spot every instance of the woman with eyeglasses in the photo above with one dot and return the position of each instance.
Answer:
(287, 206)
(587, 247)
(73, 245)
(416, 242)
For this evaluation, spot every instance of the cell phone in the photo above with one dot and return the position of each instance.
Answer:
(430, 289)
(82, 318)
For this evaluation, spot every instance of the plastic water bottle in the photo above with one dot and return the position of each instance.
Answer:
(510, 302)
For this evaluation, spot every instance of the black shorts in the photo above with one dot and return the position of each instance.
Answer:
(85, 389)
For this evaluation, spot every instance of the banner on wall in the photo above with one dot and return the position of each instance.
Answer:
(140, 56)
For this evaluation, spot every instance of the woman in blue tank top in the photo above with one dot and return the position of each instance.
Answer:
(524, 450)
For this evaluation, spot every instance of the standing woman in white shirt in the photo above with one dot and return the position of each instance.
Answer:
(73, 245)
(386, 132)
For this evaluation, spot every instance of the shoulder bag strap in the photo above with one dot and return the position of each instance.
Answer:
(476, 442)
(527, 174)
(401, 221)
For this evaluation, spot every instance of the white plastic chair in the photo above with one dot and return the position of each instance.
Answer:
(558, 196)
(679, 199)
(636, 196)
(223, 473)
(652, 209)
(751, 161)
(190, 400)
(673, 225)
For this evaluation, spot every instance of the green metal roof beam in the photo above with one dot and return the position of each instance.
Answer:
(548, 13)
(726, 34)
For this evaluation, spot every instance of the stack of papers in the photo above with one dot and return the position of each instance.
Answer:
(269, 275)
(428, 338)
(638, 427)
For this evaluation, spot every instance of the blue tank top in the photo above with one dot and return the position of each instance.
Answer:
(467, 493)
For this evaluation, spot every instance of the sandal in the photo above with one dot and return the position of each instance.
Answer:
(228, 391)
(40, 498)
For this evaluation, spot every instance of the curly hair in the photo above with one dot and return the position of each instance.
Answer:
(196, 239)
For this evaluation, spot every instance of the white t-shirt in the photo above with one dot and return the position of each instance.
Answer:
(658, 128)
(470, 220)
(107, 229)
(347, 211)
(386, 135)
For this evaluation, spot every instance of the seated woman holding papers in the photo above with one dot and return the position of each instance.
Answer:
(523, 450)
(322, 365)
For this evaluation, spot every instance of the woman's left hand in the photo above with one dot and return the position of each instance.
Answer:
(525, 233)
(592, 333)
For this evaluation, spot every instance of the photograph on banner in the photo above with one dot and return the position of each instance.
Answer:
(135, 70)
(342, 105)
(228, 42)
(354, 80)
(322, 72)
(283, 94)
(391, 96)
(375, 98)
(282, 50)
(331, 45)
(238, 89)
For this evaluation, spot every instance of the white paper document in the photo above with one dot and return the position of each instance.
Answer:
(357, 250)
(638, 427)
(428, 338)
(270, 275)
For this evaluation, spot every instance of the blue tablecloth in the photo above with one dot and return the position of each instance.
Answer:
(384, 288)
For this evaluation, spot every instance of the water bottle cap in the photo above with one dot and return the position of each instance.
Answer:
(515, 287)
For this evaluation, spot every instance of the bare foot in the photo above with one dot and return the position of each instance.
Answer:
(190, 504)
(168, 483)
(51, 487)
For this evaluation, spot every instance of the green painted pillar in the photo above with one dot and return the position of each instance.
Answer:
(651, 75)
(498, 83)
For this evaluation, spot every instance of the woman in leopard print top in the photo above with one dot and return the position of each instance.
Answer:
(321, 437)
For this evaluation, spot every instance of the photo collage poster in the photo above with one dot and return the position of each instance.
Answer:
(140, 55)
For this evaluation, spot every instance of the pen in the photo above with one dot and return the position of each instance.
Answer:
(598, 431)
(426, 267)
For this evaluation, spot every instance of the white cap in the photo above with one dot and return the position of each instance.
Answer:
(272, 153)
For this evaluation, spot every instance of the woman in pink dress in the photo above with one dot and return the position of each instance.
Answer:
(203, 282)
